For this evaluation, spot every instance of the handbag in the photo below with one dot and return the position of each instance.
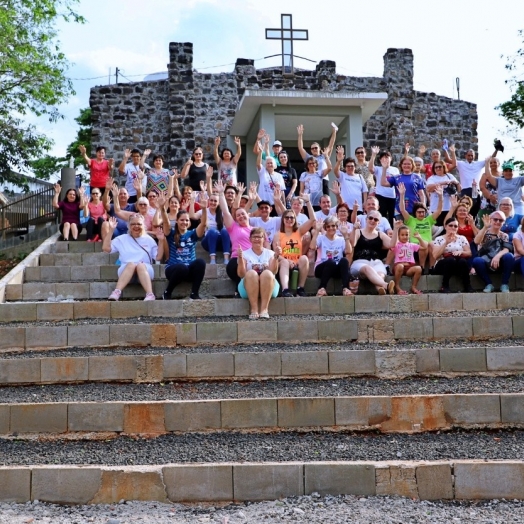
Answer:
(492, 248)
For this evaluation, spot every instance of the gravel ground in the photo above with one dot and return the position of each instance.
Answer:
(261, 447)
(115, 392)
(309, 509)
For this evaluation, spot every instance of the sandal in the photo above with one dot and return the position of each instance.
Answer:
(253, 316)
(322, 292)
(416, 292)
(346, 292)
(264, 314)
(402, 292)
(391, 287)
(381, 291)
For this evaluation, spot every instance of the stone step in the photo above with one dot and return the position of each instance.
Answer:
(325, 363)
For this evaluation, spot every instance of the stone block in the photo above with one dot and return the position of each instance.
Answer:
(216, 332)
(231, 307)
(371, 304)
(42, 337)
(249, 413)
(39, 418)
(130, 334)
(396, 480)
(515, 299)
(14, 291)
(199, 483)
(81, 247)
(65, 484)
(164, 308)
(511, 408)
(352, 362)
(115, 368)
(297, 331)
(198, 308)
(149, 368)
(298, 363)
(376, 330)
(92, 310)
(192, 415)
(129, 309)
(277, 306)
(427, 360)
(15, 485)
(32, 274)
(109, 273)
(362, 411)
(463, 359)
(17, 312)
(144, 417)
(12, 339)
(163, 335)
(38, 290)
(210, 365)
(267, 481)
(5, 418)
(100, 290)
(337, 305)
(56, 311)
(395, 364)
(302, 306)
(258, 364)
(78, 290)
(186, 334)
(337, 330)
(434, 482)
(221, 287)
(413, 329)
(85, 273)
(131, 484)
(477, 480)
(22, 371)
(469, 410)
(505, 359)
(90, 335)
(55, 273)
(416, 413)
(419, 303)
(452, 327)
(96, 416)
(445, 302)
(334, 478)
(175, 366)
(479, 301)
(302, 412)
(399, 303)
(492, 327)
(257, 331)
(94, 259)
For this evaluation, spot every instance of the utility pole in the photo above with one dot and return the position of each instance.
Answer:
(116, 74)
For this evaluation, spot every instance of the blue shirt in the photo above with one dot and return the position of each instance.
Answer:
(413, 184)
(121, 224)
(185, 251)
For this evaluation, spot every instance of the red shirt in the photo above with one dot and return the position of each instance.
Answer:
(99, 173)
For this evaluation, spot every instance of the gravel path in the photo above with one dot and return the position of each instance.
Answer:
(114, 392)
(309, 509)
(259, 447)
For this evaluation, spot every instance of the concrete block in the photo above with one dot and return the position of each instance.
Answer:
(23, 371)
(463, 359)
(395, 364)
(85, 273)
(136, 484)
(109, 273)
(39, 418)
(32, 274)
(477, 480)
(5, 418)
(491, 327)
(249, 413)
(14, 292)
(164, 308)
(434, 482)
(416, 413)
(55, 273)
(427, 360)
(81, 247)
(505, 359)
(37, 337)
(351, 362)
(210, 365)
(217, 332)
(301, 412)
(12, 339)
(267, 481)
(334, 478)
(472, 409)
(445, 302)
(15, 485)
(56, 311)
(371, 304)
(511, 408)
(512, 300)
(17, 312)
(198, 308)
(100, 290)
(129, 334)
(479, 301)
(257, 331)
(297, 331)
(192, 416)
(91, 335)
(174, 366)
(450, 327)
(144, 417)
(163, 335)
(92, 310)
(362, 411)
(149, 368)
(258, 364)
(37, 291)
(116, 368)
(94, 259)
(298, 363)
(78, 290)
(419, 303)
(129, 309)
(337, 330)
(400, 304)
(199, 483)
(185, 334)
(65, 484)
(231, 307)
(396, 480)
(302, 306)
(413, 329)
(376, 330)
(277, 306)
(96, 416)
(337, 305)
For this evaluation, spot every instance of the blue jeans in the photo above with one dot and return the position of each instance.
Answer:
(506, 266)
(217, 239)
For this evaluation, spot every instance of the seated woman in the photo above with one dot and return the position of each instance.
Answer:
(467, 227)
(452, 253)
(331, 254)
(97, 216)
(70, 206)
(518, 249)
(368, 243)
(182, 264)
(136, 251)
(256, 269)
(512, 223)
(289, 239)
(495, 252)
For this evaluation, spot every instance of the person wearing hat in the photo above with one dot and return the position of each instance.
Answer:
(508, 186)
(495, 252)
(270, 224)
(262, 141)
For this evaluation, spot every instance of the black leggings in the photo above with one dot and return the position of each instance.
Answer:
(330, 269)
(93, 227)
(387, 208)
(178, 273)
(447, 267)
(231, 270)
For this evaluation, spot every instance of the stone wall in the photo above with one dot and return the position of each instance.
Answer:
(189, 108)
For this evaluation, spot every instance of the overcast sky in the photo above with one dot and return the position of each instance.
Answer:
(449, 39)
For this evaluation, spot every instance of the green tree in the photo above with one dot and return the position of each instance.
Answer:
(33, 77)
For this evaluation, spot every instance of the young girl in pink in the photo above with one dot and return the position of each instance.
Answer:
(405, 263)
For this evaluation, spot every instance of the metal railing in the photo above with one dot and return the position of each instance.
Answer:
(17, 217)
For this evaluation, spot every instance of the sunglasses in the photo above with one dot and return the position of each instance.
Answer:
(289, 218)
(374, 219)
(497, 220)
(332, 226)
(453, 225)
(360, 152)
(314, 147)
(439, 167)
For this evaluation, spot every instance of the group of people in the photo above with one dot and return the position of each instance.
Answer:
(428, 217)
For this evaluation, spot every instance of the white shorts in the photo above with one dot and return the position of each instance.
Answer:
(357, 265)
(150, 271)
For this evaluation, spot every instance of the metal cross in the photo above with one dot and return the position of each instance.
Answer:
(286, 34)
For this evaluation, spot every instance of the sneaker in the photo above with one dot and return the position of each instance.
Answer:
(504, 288)
(301, 292)
(166, 295)
(444, 290)
(489, 288)
(194, 296)
(149, 296)
(115, 295)
(287, 293)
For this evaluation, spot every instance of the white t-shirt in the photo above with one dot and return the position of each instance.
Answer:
(312, 186)
(383, 226)
(271, 226)
(458, 245)
(130, 249)
(131, 172)
(351, 188)
(301, 219)
(258, 262)
(321, 159)
(267, 184)
(319, 215)
(386, 192)
(329, 249)
(433, 197)
(469, 172)
(519, 235)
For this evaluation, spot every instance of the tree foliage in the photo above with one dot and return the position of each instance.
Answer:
(33, 77)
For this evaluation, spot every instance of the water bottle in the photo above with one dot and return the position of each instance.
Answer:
(474, 190)
(293, 279)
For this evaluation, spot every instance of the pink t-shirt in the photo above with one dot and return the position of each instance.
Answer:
(239, 235)
(404, 252)
(97, 210)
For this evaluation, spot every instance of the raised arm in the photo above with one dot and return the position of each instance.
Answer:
(201, 228)
(439, 191)
(332, 139)
(319, 224)
(402, 203)
(384, 178)
(185, 169)
(301, 150)
(329, 166)
(340, 158)
(335, 189)
(258, 151)
(260, 136)
(58, 188)
(306, 226)
(216, 156)
(83, 152)
(238, 154)
(371, 164)
(479, 237)
(122, 166)
(222, 202)
(452, 158)
(145, 155)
